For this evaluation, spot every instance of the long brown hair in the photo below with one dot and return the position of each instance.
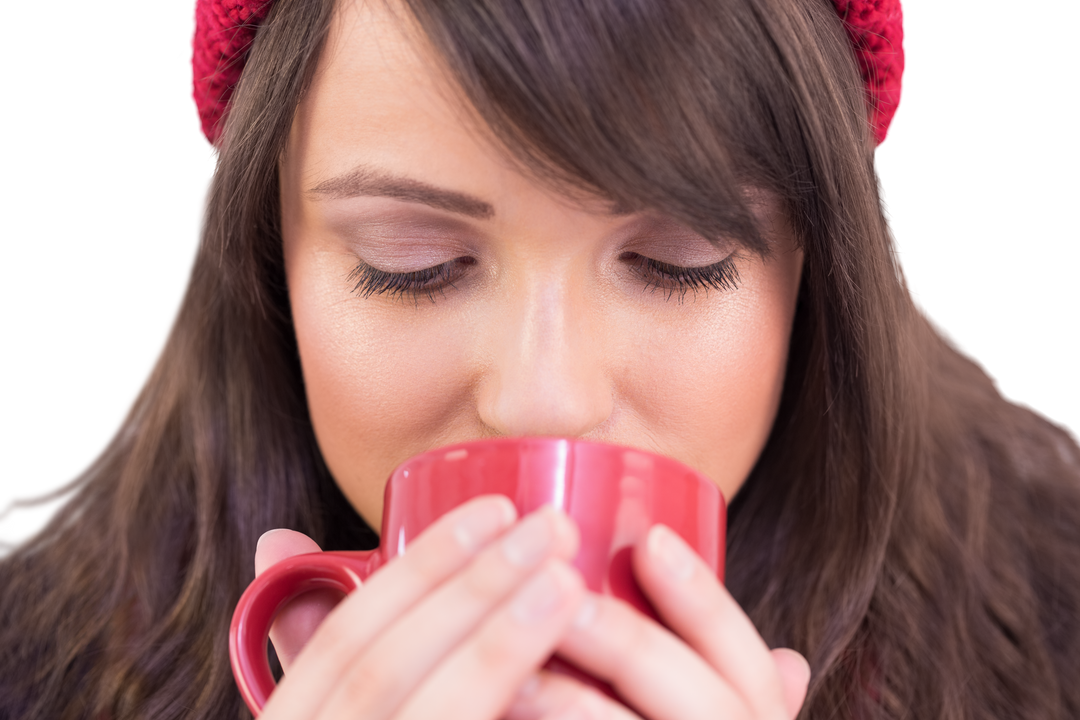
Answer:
(914, 535)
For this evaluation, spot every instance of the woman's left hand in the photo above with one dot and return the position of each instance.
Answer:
(711, 663)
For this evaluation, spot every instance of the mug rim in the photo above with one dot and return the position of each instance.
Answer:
(440, 454)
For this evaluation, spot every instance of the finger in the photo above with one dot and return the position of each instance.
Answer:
(398, 660)
(480, 678)
(551, 696)
(298, 620)
(649, 667)
(693, 603)
(281, 544)
(794, 676)
(439, 552)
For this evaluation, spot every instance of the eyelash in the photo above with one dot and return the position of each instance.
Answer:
(721, 275)
(676, 279)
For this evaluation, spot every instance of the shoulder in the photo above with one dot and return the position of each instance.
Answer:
(1041, 463)
(970, 419)
(1014, 481)
(51, 500)
(81, 502)
(55, 621)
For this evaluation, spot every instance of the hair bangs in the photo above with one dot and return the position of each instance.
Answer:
(643, 103)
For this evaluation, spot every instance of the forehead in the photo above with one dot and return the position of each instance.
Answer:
(381, 97)
(374, 49)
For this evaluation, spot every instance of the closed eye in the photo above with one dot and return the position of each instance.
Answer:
(675, 280)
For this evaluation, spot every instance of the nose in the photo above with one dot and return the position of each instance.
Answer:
(547, 374)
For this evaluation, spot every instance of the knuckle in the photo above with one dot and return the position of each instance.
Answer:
(496, 652)
(622, 647)
(629, 631)
(366, 680)
(588, 705)
(488, 582)
(429, 564)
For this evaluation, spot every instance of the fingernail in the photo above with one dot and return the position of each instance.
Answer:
(528, 542)
(483, 522)
(673, 554)
(586, 613)
(538, 600)
(265, 535)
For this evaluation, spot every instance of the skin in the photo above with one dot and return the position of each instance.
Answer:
(551, 323)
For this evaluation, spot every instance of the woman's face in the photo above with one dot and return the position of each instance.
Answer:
(440, 294)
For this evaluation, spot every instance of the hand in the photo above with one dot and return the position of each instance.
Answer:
(712, 663)
(452, 628)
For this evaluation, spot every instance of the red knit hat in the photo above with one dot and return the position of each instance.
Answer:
(876, 31)
(224, 30)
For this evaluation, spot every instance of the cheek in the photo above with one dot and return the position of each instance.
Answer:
(706, 390)
(743, 396)
(749, 387)
(380, 389)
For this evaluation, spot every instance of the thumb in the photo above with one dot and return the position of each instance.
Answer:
(297, 621)
(794, 677)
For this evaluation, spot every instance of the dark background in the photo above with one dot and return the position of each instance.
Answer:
(106, 167)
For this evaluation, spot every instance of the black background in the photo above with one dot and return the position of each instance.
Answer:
(106, 166)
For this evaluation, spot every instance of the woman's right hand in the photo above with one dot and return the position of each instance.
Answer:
(452, 628)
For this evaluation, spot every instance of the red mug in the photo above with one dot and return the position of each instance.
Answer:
(614, 494)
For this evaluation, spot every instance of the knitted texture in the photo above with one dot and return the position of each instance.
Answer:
(876, 31)
(224, 30)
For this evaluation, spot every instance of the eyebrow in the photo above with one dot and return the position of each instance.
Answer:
(366, 181)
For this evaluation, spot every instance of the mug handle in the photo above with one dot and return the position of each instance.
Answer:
(268, 593)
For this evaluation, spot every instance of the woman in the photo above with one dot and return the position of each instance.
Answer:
(428, 225)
